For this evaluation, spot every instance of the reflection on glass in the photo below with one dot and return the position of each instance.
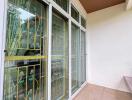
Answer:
(74, 13)
(25, 27)
(75, 58)
(83, 57)
(63, 3)
(83, 22)
(60, 80)
(25, 54)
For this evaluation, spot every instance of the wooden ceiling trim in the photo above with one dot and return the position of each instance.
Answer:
(94, 5)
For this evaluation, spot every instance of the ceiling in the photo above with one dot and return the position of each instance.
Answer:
(94, 5)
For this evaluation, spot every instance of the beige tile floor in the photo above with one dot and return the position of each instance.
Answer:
(93, 92)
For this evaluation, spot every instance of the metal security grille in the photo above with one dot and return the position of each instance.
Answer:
(59, 86)
(26, 51)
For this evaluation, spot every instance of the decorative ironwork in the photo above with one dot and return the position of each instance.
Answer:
(26, 51)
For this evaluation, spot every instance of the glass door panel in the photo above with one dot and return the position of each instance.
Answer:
(75, 67)
(25, 68)
(60, 75)
(83, 57)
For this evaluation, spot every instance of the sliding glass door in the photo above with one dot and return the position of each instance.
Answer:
(25, 68)
(75, 66)
(59, 64)
(29, 36)
(78, 61)
(83, 57)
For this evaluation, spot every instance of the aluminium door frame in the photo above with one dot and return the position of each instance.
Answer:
(49, 49)
(81, 28)
(50, 5)
(3, 12)
(70, 76)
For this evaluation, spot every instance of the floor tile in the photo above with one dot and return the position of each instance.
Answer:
(94, 92)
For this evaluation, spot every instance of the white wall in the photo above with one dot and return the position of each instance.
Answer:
(110, 47)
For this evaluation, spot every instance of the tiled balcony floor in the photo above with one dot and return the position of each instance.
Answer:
(93, 92)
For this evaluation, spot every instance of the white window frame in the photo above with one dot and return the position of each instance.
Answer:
(3, 13)
(51, 4)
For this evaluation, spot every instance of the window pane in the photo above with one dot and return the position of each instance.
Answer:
(63, 3)
(83, 22)
(75, 58)
(60, 73)
(26, 51)
(74, 13)
(83, 57)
